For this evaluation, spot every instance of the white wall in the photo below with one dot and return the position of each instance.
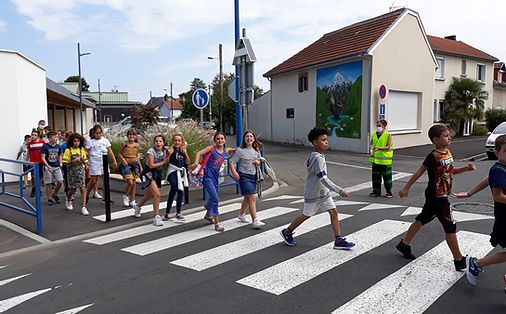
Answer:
(259, 119)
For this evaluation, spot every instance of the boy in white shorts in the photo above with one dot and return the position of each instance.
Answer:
(317, 197)
(51, 155)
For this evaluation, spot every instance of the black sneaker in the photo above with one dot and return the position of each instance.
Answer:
(50, 202)
(288, 237)
(32, 193)
(460, 265)
(405, 250)
(56, 199)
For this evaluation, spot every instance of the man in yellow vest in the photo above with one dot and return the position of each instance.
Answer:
(382, 151)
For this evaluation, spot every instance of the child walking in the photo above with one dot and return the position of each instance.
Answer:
(317, 196)
(96, 147)
(130, 167)
(178, 159)
(76, 161)
(440, 170)
(52, 158)
(218, 153)
(34, 155)
(23, 153)
(156, 157)
(249, 157)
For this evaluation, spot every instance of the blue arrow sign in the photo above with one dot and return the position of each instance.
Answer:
(200, 98)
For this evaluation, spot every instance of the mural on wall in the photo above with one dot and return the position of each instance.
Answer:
(339, 99)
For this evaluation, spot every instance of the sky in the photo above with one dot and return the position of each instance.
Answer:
(142, 46)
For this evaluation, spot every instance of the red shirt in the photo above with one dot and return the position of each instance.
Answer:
(34, 149)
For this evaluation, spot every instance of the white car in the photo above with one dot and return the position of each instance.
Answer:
(490, 145)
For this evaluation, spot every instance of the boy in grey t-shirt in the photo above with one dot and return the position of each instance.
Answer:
(317, 197)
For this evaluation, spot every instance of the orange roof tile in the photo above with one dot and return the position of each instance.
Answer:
(456, 47)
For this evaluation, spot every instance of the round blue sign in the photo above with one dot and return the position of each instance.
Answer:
(382, 91)
(200, 98)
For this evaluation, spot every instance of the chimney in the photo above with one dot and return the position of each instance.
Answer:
(451, 37)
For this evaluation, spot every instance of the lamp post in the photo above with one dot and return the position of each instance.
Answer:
(79, 55)
(220, 107)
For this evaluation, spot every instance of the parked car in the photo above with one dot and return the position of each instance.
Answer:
(490, 144)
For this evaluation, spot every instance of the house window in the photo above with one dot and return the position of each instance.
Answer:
(290, 113)
(403, 111)
(440, 72)
(499, 77)
(480, 72)
(303, 86)
(107, 118)
(463, 67)
(439, 109)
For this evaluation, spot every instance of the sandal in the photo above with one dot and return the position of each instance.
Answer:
(219, 228)
(208, 218)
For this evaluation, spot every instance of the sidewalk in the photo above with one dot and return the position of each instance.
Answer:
(461, 148)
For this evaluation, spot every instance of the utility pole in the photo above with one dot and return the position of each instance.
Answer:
(210, 110)
(171, 104)
(99, 103)
(220, 108)
(79, 55)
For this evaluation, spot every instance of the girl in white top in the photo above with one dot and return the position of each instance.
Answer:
(96, 147)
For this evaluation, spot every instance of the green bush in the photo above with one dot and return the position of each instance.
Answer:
(480, 129)
(494, 117)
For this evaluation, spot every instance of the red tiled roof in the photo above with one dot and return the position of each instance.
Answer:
(176, 104)
(460, 48)
(348, 41)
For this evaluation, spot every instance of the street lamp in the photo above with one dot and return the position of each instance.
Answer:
(79, 55)
(220, 107)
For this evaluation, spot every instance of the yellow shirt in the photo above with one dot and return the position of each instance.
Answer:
(71, 153)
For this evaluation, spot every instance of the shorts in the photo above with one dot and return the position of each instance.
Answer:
(149, 175)
(247, 183)
(132, 171)
(41, 170)
(311, 209)
(441, 210)
(55, 176)
(26, 168)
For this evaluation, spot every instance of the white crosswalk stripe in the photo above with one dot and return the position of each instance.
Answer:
(236, 249)
(76, 309)
(279, 278)
(129, 212)
(9, 280)
(433, 273)
(7, 304)
(200, 233)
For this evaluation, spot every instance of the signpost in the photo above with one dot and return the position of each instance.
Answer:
(200, 99)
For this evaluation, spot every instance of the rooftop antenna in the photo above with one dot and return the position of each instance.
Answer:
(394, 7)
(115, 88)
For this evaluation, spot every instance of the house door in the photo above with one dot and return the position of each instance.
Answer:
(468, 128)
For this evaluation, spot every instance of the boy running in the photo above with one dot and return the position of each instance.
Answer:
(439, 167)
(317, 197)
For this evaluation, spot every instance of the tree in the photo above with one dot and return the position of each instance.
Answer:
(465, 100)
(75, 78)
(143, 116)
(189, 110)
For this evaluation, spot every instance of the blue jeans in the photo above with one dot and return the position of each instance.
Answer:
(211, 187)
(172, 178)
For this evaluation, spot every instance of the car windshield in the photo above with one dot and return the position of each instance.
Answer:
(501, 129)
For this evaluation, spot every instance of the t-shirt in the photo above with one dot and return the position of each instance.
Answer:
(97, 148)
(440, 171)
(157, 155)
(177, 158)
(23, 149)
(71, 154)
(497, 179)
(246, 156)
(34, 149)
(52, 154)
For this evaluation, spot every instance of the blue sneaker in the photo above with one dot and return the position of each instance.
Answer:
(342, 244)
(288, 237)
(472, 270)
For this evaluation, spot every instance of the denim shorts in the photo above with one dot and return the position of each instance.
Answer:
(247, 183)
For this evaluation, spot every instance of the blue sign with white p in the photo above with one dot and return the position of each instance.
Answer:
(200, 98)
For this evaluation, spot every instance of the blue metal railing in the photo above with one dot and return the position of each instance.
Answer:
(34, 211)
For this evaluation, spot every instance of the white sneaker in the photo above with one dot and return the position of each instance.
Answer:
(257, 224)
(158, 221)
(133, 203)
(73, 197)
(126, 200)
(84, 211)
(97, 196)
(243, 218)
(137, 211)
(68, 205)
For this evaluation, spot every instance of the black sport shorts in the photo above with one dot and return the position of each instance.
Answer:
(439, 209)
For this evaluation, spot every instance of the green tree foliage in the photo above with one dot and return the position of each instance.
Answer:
(75, 78)
(494, 117)
(465, 100)
(189, 110)
(143, 116)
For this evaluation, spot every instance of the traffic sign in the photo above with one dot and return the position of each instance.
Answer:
(231, 89)
(383, 91)
(382, 109)
(200, 98)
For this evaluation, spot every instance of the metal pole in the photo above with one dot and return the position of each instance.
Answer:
(99, 104)
(221, 88)
(210, 109)
(107, 190)
(80, 87)
(238, 108)
(201, 117)
(171, 104)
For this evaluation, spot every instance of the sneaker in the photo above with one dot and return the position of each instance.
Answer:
(68, 205)
(84, 211)
(405, 250)
(389, 195)
(180, 217)
(32, 193)
(157, 221)
(126, 200)
(243, 218)
(374, 194)
(460, 265)
(257, 224)
(133, 203)
(288, 237)
(97, 196)
(167, 217)
(56, 198)
(137, 211)
(219, 228)
(472, 270)
(342, 244)
(50, 202)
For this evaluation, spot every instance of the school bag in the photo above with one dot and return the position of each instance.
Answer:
(196, 176)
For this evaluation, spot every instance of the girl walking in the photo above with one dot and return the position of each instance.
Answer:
(157, 156)
(249, 157)
(131, 167)
(178, 159)
(74, 158)
(218, 153)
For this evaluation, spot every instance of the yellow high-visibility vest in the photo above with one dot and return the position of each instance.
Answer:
(381, 157)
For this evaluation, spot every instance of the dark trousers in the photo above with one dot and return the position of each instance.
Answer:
(173, 190)
(378, 172)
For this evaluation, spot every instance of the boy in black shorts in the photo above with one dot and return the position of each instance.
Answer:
(439, 166)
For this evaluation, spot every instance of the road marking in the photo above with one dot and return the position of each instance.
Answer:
(9, 280)
(130, 233)
(282, 197)
(130, 212)
(411, 211)
(346, 203)
(3, 266)
(24, 232)
(348, 165)
(239, 248)
(14, 301)
(76, 309)
(457, 215)
(286, 275)
(164, 243)
(375, 206)
(432, 273)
